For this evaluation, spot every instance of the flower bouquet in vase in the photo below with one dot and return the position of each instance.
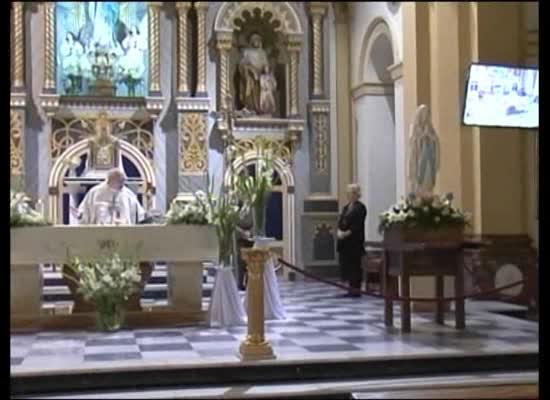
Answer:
(224, 212)
(255, 191)
(108, 281)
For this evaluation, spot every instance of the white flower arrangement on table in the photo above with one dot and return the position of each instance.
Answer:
(21, 212)
(426, 212)
(224, 212)
(190, 213)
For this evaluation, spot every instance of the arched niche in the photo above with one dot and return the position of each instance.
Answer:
(375, 137)
(378, 30)
(288, 198)
(282, 22)
(61, 166)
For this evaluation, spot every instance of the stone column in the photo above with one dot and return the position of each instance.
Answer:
(154, 47)
(18, 47)
(202, 8)
(255, 347)
(224, 47)
(49, 48)
(183, 48)
(343, 103)
(294, 48)
(318, 10)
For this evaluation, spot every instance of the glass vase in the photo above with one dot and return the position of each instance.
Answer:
(110, 315)
(259, 218)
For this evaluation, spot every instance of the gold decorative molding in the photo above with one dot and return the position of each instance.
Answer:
(293, 106)
(18, 46)
(260, 144)
(320, 129)
(193, 150)
(255, 347)
(317, 11)
(49, 47)
(17, 162)
(66, 132)
(282, 11)
(223, 45)
(183, 43)
(154, 46)
(202, 8)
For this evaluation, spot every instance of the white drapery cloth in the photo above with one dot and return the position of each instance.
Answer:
(273, 306)
(226, 308)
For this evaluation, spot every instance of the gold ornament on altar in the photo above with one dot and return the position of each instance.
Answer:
(104, 146)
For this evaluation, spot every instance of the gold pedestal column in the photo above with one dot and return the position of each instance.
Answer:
(255, 347)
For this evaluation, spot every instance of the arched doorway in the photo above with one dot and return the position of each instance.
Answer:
(136, 165)
(280, 209)
(375, 141)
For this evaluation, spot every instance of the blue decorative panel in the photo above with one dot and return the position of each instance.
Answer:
(274, 216)
(102, 48)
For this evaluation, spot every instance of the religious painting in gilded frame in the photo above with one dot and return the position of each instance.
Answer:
(102, 48)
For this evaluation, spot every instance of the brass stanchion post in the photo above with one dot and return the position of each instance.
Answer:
(255, 347)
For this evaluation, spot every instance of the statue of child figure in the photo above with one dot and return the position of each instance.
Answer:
(268, 85)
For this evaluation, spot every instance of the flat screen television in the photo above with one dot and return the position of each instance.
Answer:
(501, 96)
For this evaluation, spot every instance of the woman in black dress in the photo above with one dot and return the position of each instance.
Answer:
(351, 240)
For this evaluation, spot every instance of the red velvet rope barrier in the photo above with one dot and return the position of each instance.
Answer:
(392, 298)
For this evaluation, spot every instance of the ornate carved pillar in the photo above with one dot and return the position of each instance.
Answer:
(183, 48)
(294, 47)
(18, 47)
(224, 47)
(202, 8)
(255, 347)
(154, 47)
(49, 48)
(17, 158)
(318, 10)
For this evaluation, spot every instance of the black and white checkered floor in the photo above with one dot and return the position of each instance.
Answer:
(320, 325)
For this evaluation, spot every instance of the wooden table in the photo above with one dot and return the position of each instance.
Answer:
(405, 260)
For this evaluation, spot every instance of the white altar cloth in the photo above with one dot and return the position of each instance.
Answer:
(226, 308)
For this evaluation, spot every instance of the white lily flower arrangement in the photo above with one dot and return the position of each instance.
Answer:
(255, 190)
(191, 213)
(22, 213)
(113, 276)
(428, 212)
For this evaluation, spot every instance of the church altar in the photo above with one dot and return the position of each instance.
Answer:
(183, 247)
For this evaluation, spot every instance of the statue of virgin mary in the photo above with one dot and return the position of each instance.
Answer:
(424, 153)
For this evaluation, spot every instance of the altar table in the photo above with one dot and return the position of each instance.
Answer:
(183, 247)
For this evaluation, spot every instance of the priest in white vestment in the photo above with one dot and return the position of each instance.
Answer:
(110, 202)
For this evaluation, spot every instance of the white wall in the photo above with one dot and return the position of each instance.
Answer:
(376, 157)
